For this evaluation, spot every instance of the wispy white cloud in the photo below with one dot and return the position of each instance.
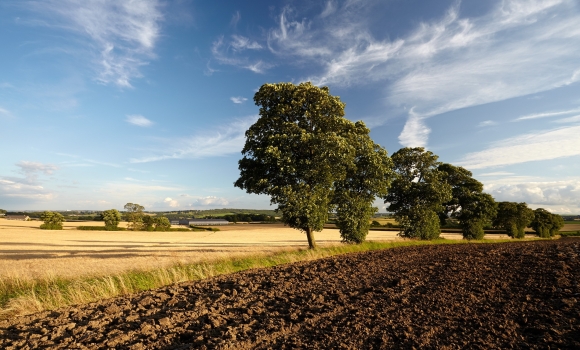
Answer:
(210, 201)
(139, 120)
(82, 161)
(232, 53)
(5, 113)
(547, 114)
(238, 99)
(573, 119)
(222, 141)
(32, 169)
(415, 132)
(28, 187)
(236, 17)
(329, 9)
(517, 48)
(239, 43)
(122, 34)
(544, 145)
(497, 173)
(487, 123)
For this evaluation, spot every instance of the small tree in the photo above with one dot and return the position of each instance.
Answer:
(417, 193)
(545, 223)
(296, 151)
(112, 218)
(513, 218)
(52, 220)
(134, 216)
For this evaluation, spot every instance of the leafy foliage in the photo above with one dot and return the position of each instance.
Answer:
(134, 213)
(417, 193)
(369, 176)
(545, 223)
(468, 204)
(156, 223)
(513, 218)
(52, 220)
(111, 217)
(296, 151)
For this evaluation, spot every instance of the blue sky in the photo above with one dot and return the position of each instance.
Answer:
(107, 102)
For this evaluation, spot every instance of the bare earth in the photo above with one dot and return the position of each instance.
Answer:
(27, 252)
(521, 295)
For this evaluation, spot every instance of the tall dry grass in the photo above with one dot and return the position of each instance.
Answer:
(21, 297)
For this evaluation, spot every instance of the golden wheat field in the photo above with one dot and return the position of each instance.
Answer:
(27, 252)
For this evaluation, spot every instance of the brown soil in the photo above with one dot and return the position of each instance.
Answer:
(480, 296)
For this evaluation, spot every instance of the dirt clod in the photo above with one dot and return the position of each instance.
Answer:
(480, 296)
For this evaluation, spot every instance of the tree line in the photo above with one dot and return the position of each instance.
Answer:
(310, 161)
(134, 214)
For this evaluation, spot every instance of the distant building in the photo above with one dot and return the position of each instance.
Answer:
(203, 222)
(18, 217)
(174, 222)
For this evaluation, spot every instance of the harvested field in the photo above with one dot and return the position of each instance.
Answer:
(515, 295)
(29, 253)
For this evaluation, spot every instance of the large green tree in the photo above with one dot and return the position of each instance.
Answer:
(296, 151)
(52, 220)
(367, 178)
(417, 193)
(468, 204)
(134, 214)
(513, 218)
(545, 223)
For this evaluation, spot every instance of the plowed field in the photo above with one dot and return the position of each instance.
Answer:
(480, 296)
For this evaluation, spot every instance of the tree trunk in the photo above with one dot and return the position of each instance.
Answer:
(310, 236)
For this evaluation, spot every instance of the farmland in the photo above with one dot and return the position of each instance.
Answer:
(29, 253)
(434, 296)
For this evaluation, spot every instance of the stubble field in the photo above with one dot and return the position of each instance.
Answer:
(28, 253)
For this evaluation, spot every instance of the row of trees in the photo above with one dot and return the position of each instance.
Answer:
(137, 219)
(311, 160)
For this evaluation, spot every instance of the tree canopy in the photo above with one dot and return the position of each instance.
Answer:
(468, 203)
(111, 217)
(296, 151)
(513, 218)
(368, 177)
(52, 220)
(417, 192)
(545, 223)
(134, 213)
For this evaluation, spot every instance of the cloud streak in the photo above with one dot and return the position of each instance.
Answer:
(122, 35)
(139, 120)
(516, 49)
(556, 143)
(238, 99)
(222, 141)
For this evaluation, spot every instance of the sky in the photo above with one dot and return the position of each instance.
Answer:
(105, 102)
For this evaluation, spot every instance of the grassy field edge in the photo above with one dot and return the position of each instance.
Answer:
(19, 297)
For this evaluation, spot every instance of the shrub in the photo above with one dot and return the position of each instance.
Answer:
(101, 228)
(111, 217)
(198, 228)
(473, 229)
(52, 221)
